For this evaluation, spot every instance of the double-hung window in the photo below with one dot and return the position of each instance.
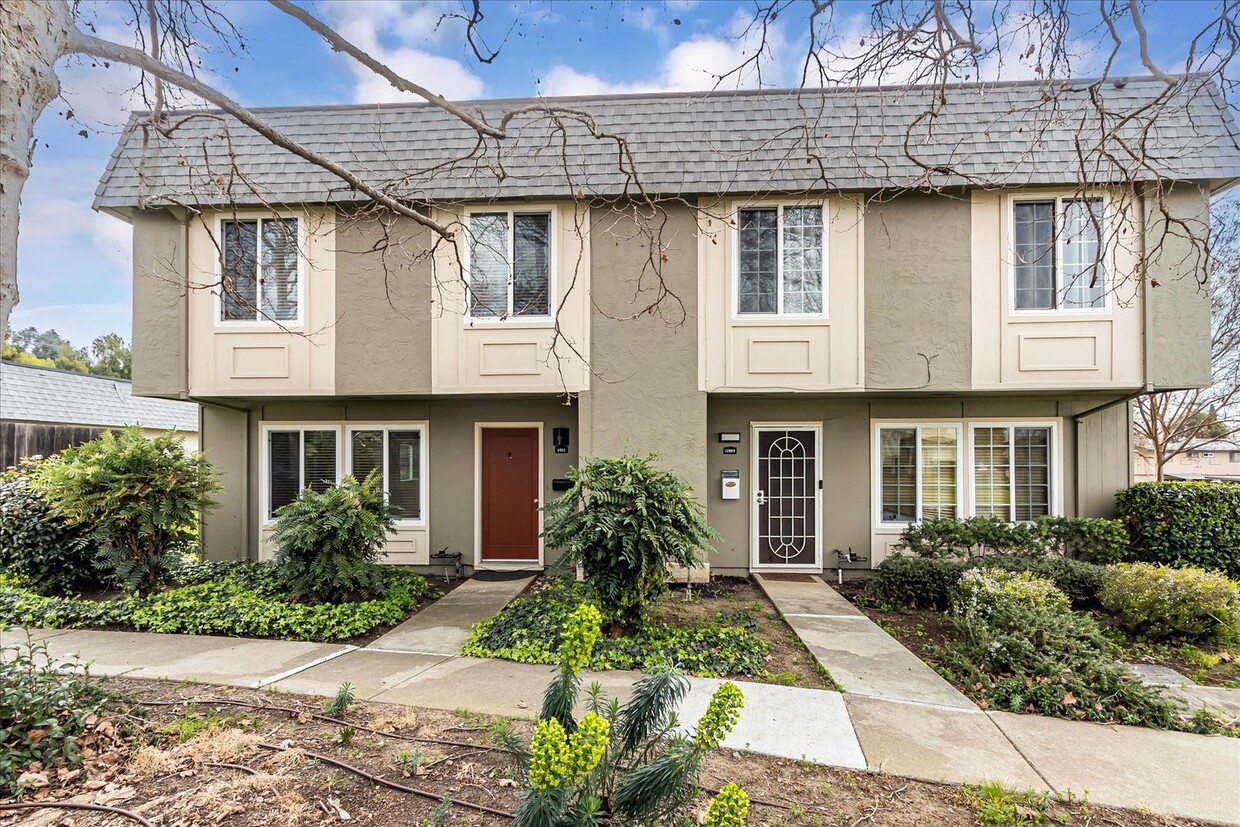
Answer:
(781, 269)
(260, 270)
(297, 459)
(397, 453)
(509, 265)
(919, 472)
(1012, 471)
(1057, 254)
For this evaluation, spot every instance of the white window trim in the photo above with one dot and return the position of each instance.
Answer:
(422, 427)
(1108, 258)
(779, 314)
(954, 425)
(1055, 464)
(265, 458)
(261, 322)
(553, 252)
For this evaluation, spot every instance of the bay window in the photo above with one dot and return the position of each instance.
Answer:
(1057, 254)
(397, 453)
(781, 261)
(297, 459)
(260, 278)
(509, 265)
(1012, 472)
(919, 472)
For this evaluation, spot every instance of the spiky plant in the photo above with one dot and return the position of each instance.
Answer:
(620, 762)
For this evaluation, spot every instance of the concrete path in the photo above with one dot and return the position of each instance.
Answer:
(443, 626)
(1169, 772)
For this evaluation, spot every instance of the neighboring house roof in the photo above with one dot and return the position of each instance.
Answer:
(1012, 133)
(35, 394)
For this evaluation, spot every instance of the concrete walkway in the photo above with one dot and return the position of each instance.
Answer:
(1168, 772)
(442, 627)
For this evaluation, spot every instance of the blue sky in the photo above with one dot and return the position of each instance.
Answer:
(73, 264)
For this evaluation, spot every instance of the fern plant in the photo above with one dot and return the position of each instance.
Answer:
(328, 542)
(141, 496)
(626, 522)
(620, 763)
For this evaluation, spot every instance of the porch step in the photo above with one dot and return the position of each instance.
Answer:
(861, 657)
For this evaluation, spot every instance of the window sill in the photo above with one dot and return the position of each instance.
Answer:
(259, 327)
(1019, 316)
(777, 320)
(471, 323)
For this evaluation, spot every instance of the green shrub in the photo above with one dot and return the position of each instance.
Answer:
(142, 496)
(927, 582)
(1160, 601)
(1184, 524)
(45, 708)
(1025, 658)
(1079, 580)
(626, 523)
(528, 630)
(1086, 538)
(329, 541)
(52, 555)
(981, 590)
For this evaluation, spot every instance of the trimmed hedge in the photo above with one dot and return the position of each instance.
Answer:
(1160, 601)
(928, 582)
(1183, 524)
(1092, 539)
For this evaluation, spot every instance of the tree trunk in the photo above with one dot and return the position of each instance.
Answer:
(33, 34)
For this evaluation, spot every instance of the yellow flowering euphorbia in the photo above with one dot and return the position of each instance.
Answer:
(728, 809)
(548, 755)
(721, 714)
(587, 746)
(580, 634)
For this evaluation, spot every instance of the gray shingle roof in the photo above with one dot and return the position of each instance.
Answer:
(700, 143)
(34, 394)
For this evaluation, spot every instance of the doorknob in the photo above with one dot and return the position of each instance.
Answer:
(761, 496)
(536, 502)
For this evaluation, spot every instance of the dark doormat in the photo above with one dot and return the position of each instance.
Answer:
(789, 577)
(495, 576)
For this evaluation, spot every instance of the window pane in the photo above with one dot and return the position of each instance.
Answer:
(531, 265)
(758, 268)
(992, 473)
(279, 275)
(365, 453)
(320, 459)
(488, 265)
(240, 277)
(1032, 470)
(898, 447)
(938, 472)
(1033, 251)
(283, 466)
(1084, 276)
(405, 469)
(802, 252)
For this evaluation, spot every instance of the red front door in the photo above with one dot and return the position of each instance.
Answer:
(510, 494)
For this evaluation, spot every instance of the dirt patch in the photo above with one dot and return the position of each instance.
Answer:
(788, 663)
(1209, 664)
(195, 762)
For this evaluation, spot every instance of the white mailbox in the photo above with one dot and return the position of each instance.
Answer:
(731, 480)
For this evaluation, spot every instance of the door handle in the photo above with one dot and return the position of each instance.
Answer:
(536, 502)
(760, 496)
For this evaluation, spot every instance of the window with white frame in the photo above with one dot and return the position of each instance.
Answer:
(781, 260)
(1057, 253)
(509, 265)
(396, 452)
(919, 470)
(297, 459)
(1012, 471)
(260, 270)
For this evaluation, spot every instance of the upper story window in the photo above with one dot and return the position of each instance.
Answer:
(509, 265)
(1057, 258)
(261, 270)
(781, 252)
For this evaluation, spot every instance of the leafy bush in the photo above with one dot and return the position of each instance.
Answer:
(46, 707)
(53, 556)
(980, 591)
(626, 523)
(1091, 539)
(528, 630)
(248, 601)
(1086, 538)
(142, 496)
(1040, 659)
(1160, 601)
(329, 541)
(927, 582)
(1184, 524)
(619, 763)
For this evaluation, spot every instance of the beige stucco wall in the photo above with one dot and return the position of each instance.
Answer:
(159, 304)
(513, 355)
(644, 396)
(223, 433)
(263, 358)
(383, 306)
(917, 292)
(768, 353)
(1178, 350)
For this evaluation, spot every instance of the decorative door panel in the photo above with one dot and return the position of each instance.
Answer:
(786, 499)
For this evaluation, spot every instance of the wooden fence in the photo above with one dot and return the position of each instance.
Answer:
(26, 439)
